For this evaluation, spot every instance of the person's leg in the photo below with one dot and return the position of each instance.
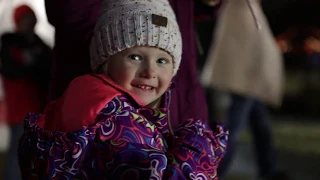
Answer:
(237, 116)
(12, 170)
(262, 137)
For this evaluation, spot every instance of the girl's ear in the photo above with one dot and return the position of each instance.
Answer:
(102, 69)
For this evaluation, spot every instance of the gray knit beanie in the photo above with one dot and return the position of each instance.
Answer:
(124, 24)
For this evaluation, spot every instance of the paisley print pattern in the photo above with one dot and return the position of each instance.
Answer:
(126, 142)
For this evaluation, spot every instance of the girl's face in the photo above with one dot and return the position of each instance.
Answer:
(146, 72)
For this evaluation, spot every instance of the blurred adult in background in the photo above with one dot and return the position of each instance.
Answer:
(74, 22)
(25, 69)
(246, 62)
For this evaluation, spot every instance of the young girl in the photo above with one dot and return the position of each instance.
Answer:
(115, 124)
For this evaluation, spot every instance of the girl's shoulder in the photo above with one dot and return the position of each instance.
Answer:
(80, 104)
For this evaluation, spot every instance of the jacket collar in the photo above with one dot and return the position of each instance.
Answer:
(166, 97)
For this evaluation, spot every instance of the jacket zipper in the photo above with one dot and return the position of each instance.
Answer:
(169, 121)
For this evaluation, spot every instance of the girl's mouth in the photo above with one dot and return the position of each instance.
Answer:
(144, 87)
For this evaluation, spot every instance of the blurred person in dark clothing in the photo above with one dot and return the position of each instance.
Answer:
(25, 69)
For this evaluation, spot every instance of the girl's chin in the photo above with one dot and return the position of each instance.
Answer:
(155, 104)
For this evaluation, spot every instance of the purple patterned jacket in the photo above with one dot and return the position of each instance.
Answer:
(90, 135)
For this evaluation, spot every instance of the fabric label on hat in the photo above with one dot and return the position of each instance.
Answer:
(159, 20)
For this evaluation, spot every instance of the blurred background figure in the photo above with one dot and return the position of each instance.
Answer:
(25, 69)
(245, 61)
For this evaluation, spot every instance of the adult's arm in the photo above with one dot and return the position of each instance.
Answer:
(74, 21)
(188, 99)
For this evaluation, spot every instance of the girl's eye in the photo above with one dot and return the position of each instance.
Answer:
(162, 61)
(135, 57)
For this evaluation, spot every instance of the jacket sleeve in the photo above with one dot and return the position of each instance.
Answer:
(121, 146)
(196, 151)
(52, 155)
